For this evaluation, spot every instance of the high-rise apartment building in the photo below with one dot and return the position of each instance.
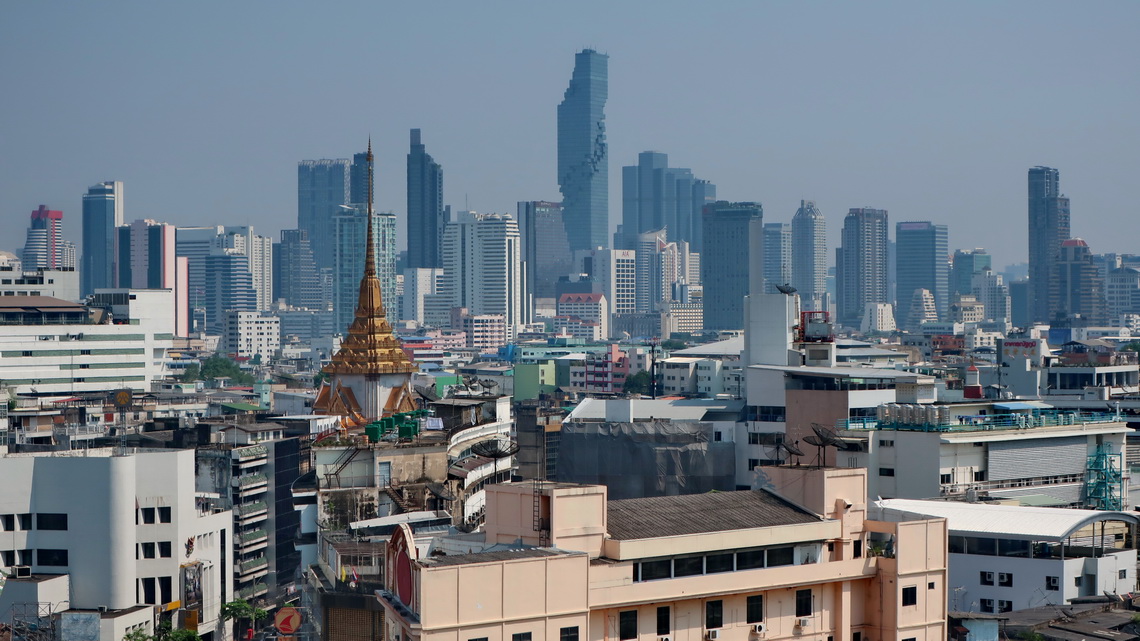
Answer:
(482, 267)
(546, 249)
(583, 156)
(1048, 228)
(147, 260)
(732, 232)
(44, 247)
(227, 286)
(322, 187)
(295, 271)
(350, 241)
(426, 214)
(207, 303)
(809, 254)
(966, 264)
(990, 289)
(861, 264)
(358, 184)
(777, 256)
(1077, 287)
(921, 262)
(102, 215)
(615, 272)
(656, 196)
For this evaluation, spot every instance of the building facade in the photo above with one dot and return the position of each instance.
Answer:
(777, 256)
(482, 268)
(426, 214)
(809, 255)
(736, 230)
(1048, 228)
(44, 247)
(147, 260)
(921, 262)
(583, 155)
(545, 246)
(102, 215)
(322, 187)
(350, 228)
(295, 272)
(861, 264)
(1077, 288)
(656, 196)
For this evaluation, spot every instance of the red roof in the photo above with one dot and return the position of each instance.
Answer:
(580, 298)
(1074, 242)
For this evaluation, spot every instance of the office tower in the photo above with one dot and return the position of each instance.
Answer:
(648, 290)
(990, 289)
(482, 267)
(583, 156)
(922, 310)
(1078, 289)
(227, 286)
(198, 243)
(546, 250)
(298, 283)
(732, 232)
(612, 272)
(350, 243)
(419, 284)
(1122, 293)
(44, 247)
(861, 264)
(147, 260)
(102, 215)
(322, 187)
(777, 256)
(426, 214)
(809, 255)
(1019, 309)
(358, 183)
(656, 196)
(1048, 228)
(966, 264)
(259, 250)
(921, 262)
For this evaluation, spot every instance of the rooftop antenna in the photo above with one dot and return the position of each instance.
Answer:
(792, 449)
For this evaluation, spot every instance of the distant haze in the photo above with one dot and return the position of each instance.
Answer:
(931, 111)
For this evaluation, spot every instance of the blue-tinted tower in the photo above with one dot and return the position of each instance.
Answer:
(583, 157)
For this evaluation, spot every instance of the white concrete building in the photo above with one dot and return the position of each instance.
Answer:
(57, 283)
(482, 261)
(1005, 558)
(419, 283)
(615, 271)
(118, 529)
(878, 317)
(52, 346)
(248, 334)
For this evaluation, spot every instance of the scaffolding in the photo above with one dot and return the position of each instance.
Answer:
(1104, 480)
(33, 622)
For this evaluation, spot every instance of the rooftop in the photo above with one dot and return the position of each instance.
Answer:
(1004, 521)
(491, 556)
(662, 516)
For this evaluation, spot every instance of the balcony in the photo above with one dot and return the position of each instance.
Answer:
(249, 453)
(251, 483)
(253, 566)
(249, 512)
(255, 590)
(253, 541)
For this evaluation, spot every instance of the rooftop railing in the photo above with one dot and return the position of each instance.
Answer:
(982, 422)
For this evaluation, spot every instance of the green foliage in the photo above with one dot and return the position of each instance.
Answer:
(240, 610)
(1134, 346)
(138, 635)
(1030, 635)
(672, 344)
(192, 373)
(639, 383)
(320, 378)
(182, 635)
(218, 365)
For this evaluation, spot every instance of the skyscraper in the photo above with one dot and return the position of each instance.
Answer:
(322, 187)
(295, 271)
(147, 260)
(358, 183)
(426, 215)
(546, 250)
(777, 256)
(350, 244)
(583, 156)
(809, 255)
(482, 267)
(968, 263)
(732, 232)
(44, 246)
(1077, 287)
(1048, 228)
(656, 196)
(102, 215)
(921, 262)
(861, 264)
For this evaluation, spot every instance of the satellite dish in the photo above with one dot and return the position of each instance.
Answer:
(813, 440)
(792, 449)
(826, 434)
(786, 289)
(495, 448)
(426, 393)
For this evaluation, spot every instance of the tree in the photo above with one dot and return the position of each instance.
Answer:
(672, 344)
(639, 383)
(239, 611)
(1134, 346)
(192, 373)
(218, 365)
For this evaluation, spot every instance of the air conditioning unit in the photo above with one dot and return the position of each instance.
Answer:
(759, 628)
(712, 635)
(21, 571)
(803, 622)
(666, 638)
(989, 577)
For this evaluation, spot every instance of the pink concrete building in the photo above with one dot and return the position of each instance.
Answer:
(797, 560)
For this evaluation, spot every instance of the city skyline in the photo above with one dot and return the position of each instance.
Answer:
(904, 137)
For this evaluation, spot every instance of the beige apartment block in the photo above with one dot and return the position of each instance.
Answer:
(797, 559)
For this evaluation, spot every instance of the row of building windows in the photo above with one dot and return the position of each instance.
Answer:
(713, 563)
(154, 550)
(43, 521)
(147, 515)
(43, 556)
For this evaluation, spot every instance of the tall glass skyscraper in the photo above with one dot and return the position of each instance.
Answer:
(1048, 228)
(861, 264)
(322, 187)
(350, 242)
(426, 214)
(809, 255)
(656, 196)
(102, 216)
(777, 256)
(921, 262)
(735, 230)
(583, 157)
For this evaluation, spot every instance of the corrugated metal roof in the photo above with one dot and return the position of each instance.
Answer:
(660, 516)
(1004, 521)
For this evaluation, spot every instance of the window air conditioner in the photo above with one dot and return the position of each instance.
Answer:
(712, 635)
(665, 638)
(759, 628)
(803, 622)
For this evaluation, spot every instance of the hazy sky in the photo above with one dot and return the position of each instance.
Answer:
(933, 111)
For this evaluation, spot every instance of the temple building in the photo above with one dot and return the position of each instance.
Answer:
(370, 376)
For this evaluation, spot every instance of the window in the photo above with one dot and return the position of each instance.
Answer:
(568, 634)
(1005, 579)
(803, 603)
(148, 550)
(856, 636)
(25, 521)
(715, 563)
(886, 442)
(24, 557)
(165, 590)
(750, 559)
(1053, 583)
(51, 557)
(986, 578)
(148, 591)
(857, 548)
(520, 636)
(754, 610)
(1123, 574)
(1005, 606)
(886, 471)
(148, 515)
(51, 521)
(664, 620)
(716, 436)
(944, 479)
(781, 556)
(930, 586)
(753, 438)
(627, 624)
(164, 515)
(688, 566)
(478, 639)
(980, 476)
(910, 595)
(1077, 581)
(714, 614)
(986, 605)
(164, 549)
(8, 521)
(651, 570)
(753, 463)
